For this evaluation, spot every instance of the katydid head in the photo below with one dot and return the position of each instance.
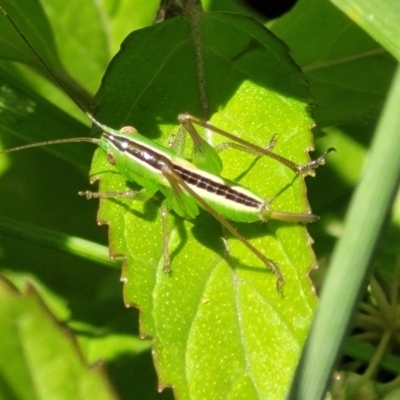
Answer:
(111, 137)
(112, 143)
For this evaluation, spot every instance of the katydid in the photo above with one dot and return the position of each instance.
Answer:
(186, 185)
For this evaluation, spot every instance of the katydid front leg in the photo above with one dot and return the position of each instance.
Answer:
(123, 194)
(140, 195)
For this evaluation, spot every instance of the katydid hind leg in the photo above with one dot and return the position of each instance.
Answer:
(175, 179)
(301, 169)
(314, 164)
(231, 145)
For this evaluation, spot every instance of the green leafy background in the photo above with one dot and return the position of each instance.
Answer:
(208, 322)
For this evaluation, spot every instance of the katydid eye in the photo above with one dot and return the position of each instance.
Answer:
(110, 157)
(128, 129)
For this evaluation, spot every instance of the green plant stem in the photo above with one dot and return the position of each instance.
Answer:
(350, 266)
(376, 359)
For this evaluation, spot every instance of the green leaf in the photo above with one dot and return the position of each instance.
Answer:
(379, 19)
(349, 71)
(30, 370)
(220, 327)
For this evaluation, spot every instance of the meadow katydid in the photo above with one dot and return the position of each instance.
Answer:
(187, 185)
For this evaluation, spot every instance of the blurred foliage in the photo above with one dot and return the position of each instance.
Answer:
(350, 75)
